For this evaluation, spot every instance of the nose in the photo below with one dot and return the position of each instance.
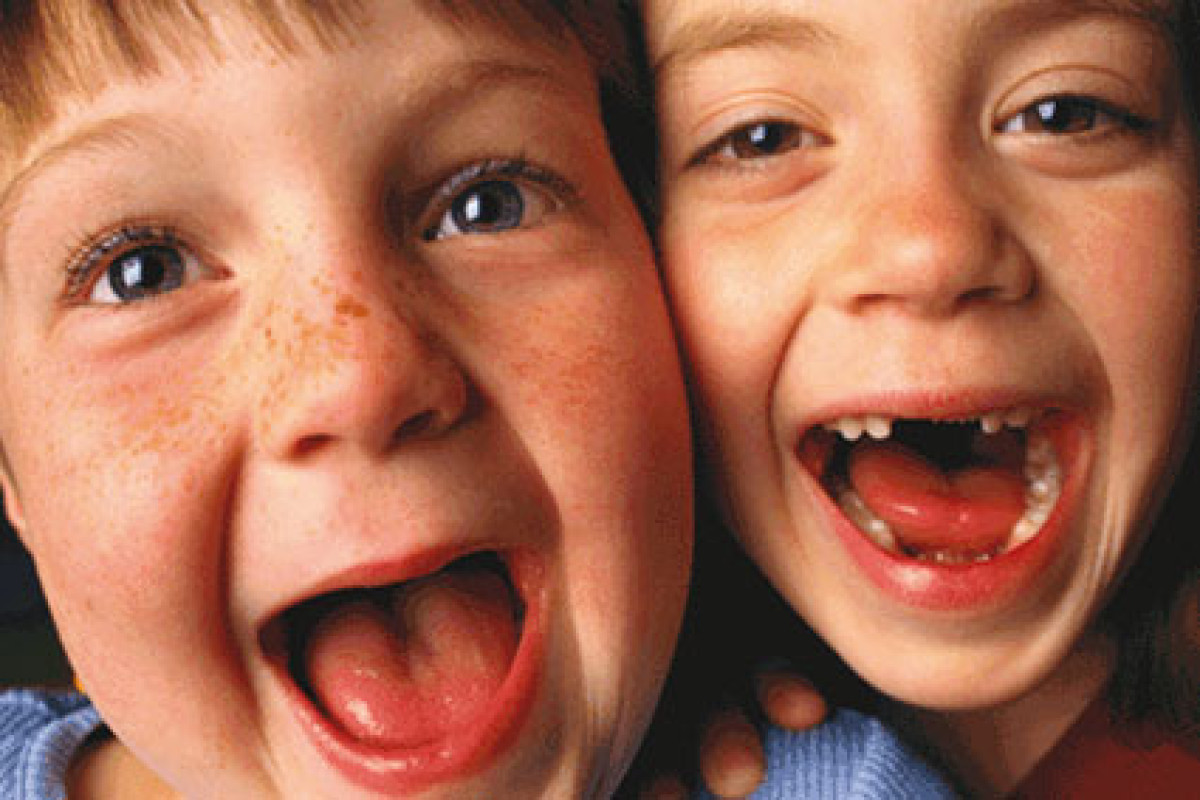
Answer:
(355, 363)
(927, 242)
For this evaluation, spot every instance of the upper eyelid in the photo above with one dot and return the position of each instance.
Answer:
(1138, 104)
(518, 167)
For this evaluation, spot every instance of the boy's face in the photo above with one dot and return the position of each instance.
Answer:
(342, 416)
(934, 266)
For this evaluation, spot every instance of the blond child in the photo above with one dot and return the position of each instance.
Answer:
(936, 274)
(338, 401)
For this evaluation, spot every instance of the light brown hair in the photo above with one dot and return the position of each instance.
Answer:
(52, 50)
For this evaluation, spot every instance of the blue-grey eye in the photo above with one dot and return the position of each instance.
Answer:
(140, 273)
(490, 206)
(133, 264)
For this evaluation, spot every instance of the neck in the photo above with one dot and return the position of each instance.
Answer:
(107, 769)
(990, 751)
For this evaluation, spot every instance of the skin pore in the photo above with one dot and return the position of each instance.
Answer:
(914, 216)
(362, 336)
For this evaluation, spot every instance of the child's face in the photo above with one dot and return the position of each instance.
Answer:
(930, 220)
(342, 416)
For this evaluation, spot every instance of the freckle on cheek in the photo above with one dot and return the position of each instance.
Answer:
(348, 306)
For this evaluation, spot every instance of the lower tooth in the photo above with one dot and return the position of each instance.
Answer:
(1044, 476)
(1023, 531)
(1038, 451)
(862, 517)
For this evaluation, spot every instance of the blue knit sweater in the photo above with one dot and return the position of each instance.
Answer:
(39, 734)
(848, 757)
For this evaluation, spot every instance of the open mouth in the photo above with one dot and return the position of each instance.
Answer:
(408, 683)
(964, 491)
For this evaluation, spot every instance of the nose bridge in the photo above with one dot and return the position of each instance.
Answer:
(349, 358)
(929, 236)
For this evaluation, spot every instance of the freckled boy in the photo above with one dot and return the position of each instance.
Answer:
(338, 400)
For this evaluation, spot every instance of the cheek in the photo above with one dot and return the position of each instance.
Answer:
(115, 483)
(595, 393)
(735, 300)
(1137, 290)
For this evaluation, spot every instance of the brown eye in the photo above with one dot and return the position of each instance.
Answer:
(758, 141)
(764, 139)
(1068, 115)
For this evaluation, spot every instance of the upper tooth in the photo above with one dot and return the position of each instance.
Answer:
(1018, 417)
(991, 423)
(878, 427)
(851, 429)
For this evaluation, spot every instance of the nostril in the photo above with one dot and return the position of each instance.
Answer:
(310, 444)
(983, 294)
(417, 425)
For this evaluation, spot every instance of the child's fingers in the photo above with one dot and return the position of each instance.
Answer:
(790, 701)
(732, 762)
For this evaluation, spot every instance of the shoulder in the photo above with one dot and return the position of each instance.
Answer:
(851, 755)
(39, 733)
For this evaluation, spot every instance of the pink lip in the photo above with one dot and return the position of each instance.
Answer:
(461, 753)
(977, 586)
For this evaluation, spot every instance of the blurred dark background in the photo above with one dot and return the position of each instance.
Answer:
(29, 650)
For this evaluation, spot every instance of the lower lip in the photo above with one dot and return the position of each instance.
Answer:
(977, 586)
(461, 754)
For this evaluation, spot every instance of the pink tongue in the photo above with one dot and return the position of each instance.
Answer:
(966, 512)
(432, 665)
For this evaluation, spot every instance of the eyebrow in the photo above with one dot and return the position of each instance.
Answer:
(127, 132)
(764, 27)
(132, 132)
(1020, 16)
(761, 27)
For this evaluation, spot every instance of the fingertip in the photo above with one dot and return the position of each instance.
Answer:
(790, 702)
(732, 762)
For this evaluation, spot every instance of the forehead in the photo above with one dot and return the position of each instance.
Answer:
(57, 51)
